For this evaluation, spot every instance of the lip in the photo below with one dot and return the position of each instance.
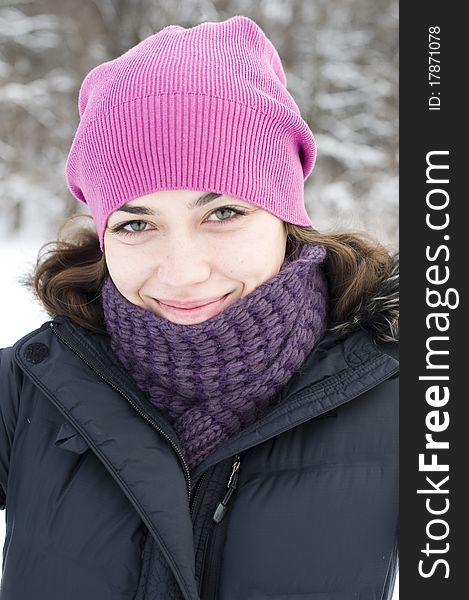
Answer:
(190, 305)
(188, 316)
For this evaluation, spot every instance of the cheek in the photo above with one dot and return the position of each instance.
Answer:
(257, 261)
(126, 269)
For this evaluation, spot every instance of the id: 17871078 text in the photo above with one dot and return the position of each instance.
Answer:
(434, 69)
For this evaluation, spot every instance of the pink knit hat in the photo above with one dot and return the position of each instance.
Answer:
(204, 108)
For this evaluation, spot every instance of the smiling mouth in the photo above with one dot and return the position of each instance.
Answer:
(195, 314)
(190, 305)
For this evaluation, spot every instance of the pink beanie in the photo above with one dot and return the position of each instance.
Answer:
(204, 108)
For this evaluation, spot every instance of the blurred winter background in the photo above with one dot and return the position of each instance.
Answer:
(341, 62)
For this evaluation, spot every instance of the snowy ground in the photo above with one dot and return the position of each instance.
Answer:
(20, 312)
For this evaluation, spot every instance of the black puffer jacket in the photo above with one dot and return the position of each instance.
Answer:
(100, 504)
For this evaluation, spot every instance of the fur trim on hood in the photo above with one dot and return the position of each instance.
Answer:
(378, 313)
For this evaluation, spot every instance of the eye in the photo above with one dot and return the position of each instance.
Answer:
(135, 226)
(130, 228)
(235, 213)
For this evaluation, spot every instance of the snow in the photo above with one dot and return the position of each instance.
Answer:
(34, 31)
(20, 311)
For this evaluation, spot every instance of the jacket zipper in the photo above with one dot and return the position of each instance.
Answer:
(221, 508)
(132, 403)
(195, 497)
(213, 553)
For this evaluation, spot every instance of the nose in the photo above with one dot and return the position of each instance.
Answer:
(182, 263)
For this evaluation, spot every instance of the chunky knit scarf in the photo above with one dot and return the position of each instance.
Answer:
(214, 378)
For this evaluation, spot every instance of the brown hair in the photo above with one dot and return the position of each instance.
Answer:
(70, 271)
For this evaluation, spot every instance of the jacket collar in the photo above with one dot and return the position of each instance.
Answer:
(340, 368)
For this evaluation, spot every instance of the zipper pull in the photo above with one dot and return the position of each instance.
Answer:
(221, 509)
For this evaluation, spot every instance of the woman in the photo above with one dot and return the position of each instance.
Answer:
(212, 410)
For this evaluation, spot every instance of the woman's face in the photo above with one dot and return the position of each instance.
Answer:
(184, 247)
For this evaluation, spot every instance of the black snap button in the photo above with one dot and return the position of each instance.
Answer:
(36, 353)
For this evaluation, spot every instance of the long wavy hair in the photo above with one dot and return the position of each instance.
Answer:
(70, 271)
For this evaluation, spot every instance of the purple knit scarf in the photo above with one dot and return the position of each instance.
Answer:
(214, 378)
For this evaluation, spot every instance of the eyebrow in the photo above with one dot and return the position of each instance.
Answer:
(144, 210)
